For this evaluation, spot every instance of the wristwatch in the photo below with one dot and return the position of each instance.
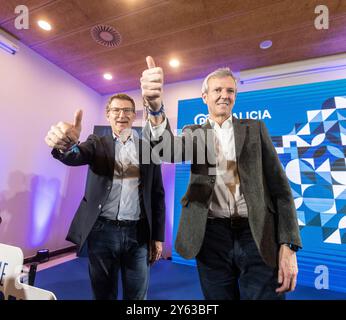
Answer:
(292, 246)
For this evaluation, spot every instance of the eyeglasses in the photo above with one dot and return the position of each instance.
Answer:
(117, 111)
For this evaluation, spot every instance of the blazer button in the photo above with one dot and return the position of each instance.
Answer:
(212, 180)
(100, 206)
(109, 187)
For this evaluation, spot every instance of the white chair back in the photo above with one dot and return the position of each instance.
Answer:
(11, 265)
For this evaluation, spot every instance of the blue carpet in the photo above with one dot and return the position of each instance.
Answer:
(168, 281)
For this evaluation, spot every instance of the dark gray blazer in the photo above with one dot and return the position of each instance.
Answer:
(98, 153)
(271, 209)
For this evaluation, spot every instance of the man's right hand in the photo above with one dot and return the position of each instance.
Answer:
(151, 84)
(64, 135)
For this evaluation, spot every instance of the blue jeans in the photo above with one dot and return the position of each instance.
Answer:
(231, 268)
(112, 248)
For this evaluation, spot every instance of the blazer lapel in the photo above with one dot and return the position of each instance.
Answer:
(240, 130)
(139, 149)
(110, 152)
(210, 143)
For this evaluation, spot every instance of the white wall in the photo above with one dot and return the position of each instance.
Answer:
(38, 195)
(301, 72)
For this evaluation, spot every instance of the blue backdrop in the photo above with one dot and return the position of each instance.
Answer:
(307, 124)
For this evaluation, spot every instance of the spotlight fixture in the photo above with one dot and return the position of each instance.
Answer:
(266, 44)
(108, 76)
(42, 255)
(174, 63)
(44, 25)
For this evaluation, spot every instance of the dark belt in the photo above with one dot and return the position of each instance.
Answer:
(233, 223)
(119, 223)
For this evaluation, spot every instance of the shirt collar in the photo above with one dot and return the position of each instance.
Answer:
(130, 138)
(227, 124)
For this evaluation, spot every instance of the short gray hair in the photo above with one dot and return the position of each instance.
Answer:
(218, 73)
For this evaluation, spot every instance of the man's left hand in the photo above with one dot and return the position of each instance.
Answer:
(288, 269)
(155, 250)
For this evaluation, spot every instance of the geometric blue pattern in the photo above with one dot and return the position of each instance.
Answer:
(313, 155)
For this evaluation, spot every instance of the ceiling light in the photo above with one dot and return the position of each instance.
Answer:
(266, 44)
(44, 25)
(108, 76)
(174, 63)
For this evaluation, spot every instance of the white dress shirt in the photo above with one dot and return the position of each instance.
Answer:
(227, 200)
(123, 200)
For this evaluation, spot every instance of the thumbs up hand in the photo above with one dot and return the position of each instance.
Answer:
(151, 85)
(64, 135)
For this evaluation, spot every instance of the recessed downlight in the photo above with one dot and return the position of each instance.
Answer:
(174, 63)
(108, 76)
(266, 44)
(44, 25)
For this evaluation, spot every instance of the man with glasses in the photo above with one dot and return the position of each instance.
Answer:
(121, 217)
